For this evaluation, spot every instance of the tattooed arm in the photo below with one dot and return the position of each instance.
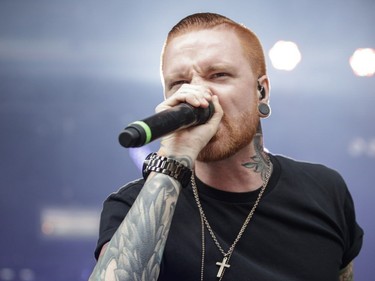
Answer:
(346, 274)
(136, 249)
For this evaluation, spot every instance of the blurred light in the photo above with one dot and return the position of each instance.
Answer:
(7, 274)
(357, 147)
(361, 147)
(69, 222)
(371, 148)
(27, 274)
(24, 274)
(285, 55)
(363, 62)
(138, 155)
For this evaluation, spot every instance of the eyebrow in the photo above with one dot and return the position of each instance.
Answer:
(184, 73)
(178, 72)
(217, 67)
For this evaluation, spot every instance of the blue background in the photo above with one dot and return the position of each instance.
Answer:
(74, 73)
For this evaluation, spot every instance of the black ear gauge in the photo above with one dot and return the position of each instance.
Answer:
(264, 109)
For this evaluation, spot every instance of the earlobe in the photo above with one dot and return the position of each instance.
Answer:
(264, 110)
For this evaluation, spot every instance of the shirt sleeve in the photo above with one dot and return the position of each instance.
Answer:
(354, 234)
(115, 208)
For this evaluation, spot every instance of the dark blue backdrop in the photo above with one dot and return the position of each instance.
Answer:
(73, 74)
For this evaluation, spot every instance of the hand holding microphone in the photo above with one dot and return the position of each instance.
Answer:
(179, 114)
(167, 121)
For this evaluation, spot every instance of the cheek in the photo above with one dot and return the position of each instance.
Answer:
(240, 106)
(237, 98)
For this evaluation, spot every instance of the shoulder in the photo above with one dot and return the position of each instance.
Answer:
(316, 171)
(324, 191)
(313, 179)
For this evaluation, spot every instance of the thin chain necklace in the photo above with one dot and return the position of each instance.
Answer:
(204, 222)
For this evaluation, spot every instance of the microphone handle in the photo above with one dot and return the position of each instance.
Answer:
(181, 116)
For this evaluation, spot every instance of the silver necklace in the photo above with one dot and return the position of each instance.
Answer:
(224, 264)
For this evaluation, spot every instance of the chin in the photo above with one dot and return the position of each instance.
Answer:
(229, 139)
(221, 148)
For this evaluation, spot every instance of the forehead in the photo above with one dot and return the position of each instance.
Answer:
(210, 35)
(217, 43)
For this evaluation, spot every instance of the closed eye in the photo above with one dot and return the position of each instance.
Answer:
(177, 83)
(219, 75)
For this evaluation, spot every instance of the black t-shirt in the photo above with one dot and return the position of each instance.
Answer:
(303, 229)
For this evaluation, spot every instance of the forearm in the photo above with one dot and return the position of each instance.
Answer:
(136, 249)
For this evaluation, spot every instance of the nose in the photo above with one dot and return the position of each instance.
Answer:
(201, 83)
(197, 80)
(204, 83)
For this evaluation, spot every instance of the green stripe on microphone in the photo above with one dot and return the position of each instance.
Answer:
(147, 130)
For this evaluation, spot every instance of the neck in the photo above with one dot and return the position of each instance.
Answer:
(244, 171)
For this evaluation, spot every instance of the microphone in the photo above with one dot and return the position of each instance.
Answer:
(167, 121)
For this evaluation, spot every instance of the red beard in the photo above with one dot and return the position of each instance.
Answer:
(232, 136)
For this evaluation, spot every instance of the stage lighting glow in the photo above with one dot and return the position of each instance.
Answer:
(371, 148)
(7, 274)
(138, 155)
(10, 274)
(69, 222)
(26, 274)
(357, 147)
(285, 55)
(360, 147)
(363, 62)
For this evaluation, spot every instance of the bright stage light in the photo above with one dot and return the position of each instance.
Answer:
(285, 55)
(363, 62)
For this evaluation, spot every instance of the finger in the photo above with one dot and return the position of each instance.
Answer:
(197, 96)
(218, 114)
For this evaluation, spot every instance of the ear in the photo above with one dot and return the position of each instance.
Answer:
(264, 109)
(264, 88)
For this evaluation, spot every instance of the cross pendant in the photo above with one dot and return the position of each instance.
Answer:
(223, 264)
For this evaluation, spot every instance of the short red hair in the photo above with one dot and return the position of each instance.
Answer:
(251, 45)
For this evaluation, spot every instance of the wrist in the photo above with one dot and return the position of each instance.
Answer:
(171, 166)
(184, 158)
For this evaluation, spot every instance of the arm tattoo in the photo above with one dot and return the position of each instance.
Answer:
(135, 251)
(346, 274)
